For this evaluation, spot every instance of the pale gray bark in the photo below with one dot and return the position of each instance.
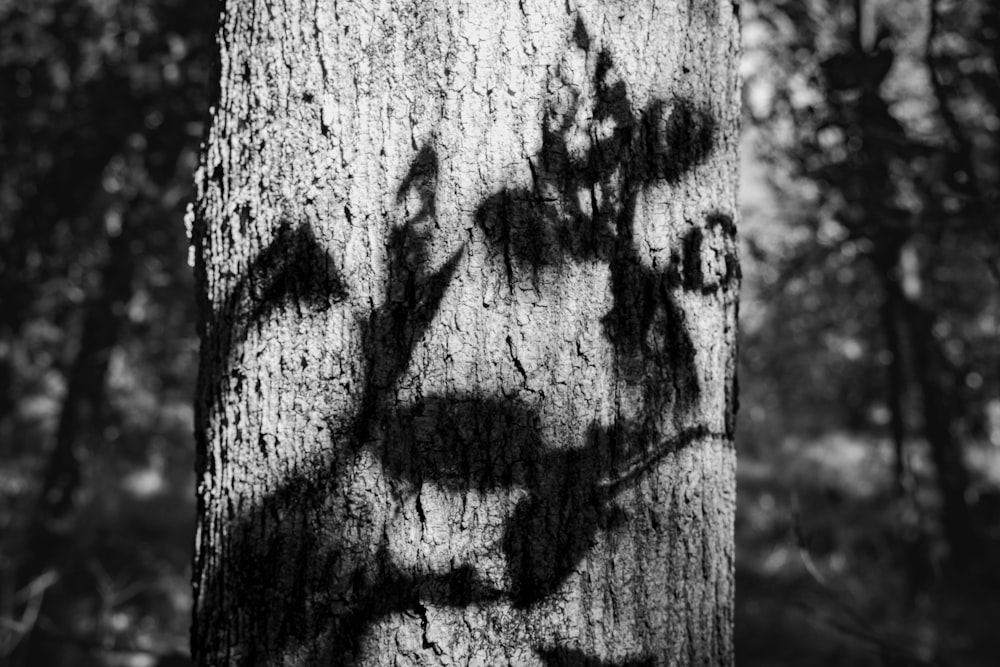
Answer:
(468, 285)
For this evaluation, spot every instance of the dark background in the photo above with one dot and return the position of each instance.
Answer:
(868, 524)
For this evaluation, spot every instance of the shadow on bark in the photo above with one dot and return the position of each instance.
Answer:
(568, 657)
(281, 562)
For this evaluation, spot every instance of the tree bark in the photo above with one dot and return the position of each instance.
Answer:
(468, 288)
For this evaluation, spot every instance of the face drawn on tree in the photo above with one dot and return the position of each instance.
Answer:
(580, 206)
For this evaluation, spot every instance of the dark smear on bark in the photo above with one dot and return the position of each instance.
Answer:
(570, 657)
(553, 527)
(294, 269)
(547, 226)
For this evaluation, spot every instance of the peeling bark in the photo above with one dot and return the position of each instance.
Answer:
(468, 287)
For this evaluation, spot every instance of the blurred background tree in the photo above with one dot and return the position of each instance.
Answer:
(870, 321)
(869, 506)
(101, 107)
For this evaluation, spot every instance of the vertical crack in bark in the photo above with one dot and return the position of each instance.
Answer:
(420, 509)
(507, 261)
(517, 362)
(424, 625)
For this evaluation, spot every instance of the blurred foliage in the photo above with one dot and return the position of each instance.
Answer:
(870, 334)
(812, 235)
(101, 111)
(870, 363)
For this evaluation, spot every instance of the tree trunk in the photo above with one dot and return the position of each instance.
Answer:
(895, 382)
(468, 287)
(938, 407)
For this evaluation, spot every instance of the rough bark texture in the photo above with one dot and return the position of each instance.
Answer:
(468, 285)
